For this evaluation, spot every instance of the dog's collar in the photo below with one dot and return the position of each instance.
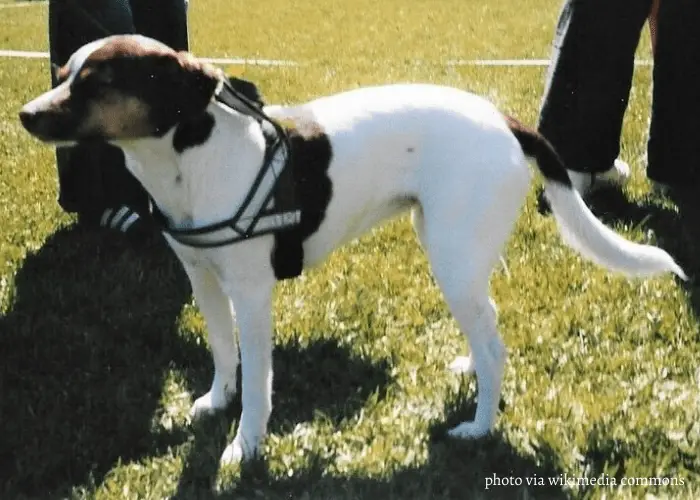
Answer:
(270, 205)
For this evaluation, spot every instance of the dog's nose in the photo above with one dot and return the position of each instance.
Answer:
(29, 119)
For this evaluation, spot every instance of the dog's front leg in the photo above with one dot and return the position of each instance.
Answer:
(219, 316)
(253, 304)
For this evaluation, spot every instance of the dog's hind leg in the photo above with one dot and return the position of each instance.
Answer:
(461, 364)
(489, 356)
(465, 287)
(219, 316)
(464, 229)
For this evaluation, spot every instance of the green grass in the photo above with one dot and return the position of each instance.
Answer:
(103, 349)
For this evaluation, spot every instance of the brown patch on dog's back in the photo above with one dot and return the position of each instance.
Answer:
(305, 128)
(311, 155)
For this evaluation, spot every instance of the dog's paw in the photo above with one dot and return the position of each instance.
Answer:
(468, 430)
(208, 405)
(462, 365)
(240, 450)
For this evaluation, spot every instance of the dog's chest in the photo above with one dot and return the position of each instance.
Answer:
(305, 186)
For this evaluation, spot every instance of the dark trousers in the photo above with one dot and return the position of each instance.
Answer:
(590, 77)
(93, 177)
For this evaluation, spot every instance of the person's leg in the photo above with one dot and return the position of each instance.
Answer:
(589, 80)
(653, 17)
(93, 181)
(164, 20)
(674, 149)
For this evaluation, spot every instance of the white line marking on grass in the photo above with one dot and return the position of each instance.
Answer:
(20, 4)
(253, 62)
(277, 62)
(24, 54)
(499, 62)
(517, 62)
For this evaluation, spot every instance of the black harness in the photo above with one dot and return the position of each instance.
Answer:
(271, 204)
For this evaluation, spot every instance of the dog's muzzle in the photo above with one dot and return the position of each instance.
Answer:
(49, 126)
(31, 120)
(50, 117)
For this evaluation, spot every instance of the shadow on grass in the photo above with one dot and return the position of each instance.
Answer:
(616, 459)
(85, 346)
(93, 330)
(454, 470)
(321, 377)
(92, 333)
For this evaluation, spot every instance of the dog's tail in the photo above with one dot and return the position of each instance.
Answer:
(578, 226)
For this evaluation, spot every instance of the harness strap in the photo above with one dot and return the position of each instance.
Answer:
(271, 204)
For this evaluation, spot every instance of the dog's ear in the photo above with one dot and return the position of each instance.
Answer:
(177, 88)
(248, 89)
(196, 83)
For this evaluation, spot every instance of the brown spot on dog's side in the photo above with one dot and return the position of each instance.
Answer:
(311, 157)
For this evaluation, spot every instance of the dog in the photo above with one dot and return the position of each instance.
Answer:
(215, 161)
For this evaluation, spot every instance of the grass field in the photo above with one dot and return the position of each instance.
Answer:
(103, 349)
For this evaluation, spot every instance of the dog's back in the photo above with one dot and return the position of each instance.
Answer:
(396, 145)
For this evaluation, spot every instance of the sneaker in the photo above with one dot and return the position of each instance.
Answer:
(122, 219)
(586, 183)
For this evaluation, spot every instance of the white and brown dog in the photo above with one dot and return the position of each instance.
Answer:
(352, 160)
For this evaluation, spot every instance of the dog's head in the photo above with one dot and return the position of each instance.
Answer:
(121, 88)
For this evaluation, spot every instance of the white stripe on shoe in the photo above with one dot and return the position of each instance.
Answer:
(121, 219)
(118, 217)
(106, 217)
(129, 222)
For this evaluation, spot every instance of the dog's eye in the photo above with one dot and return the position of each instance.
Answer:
(103, 75)
(93, 80)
